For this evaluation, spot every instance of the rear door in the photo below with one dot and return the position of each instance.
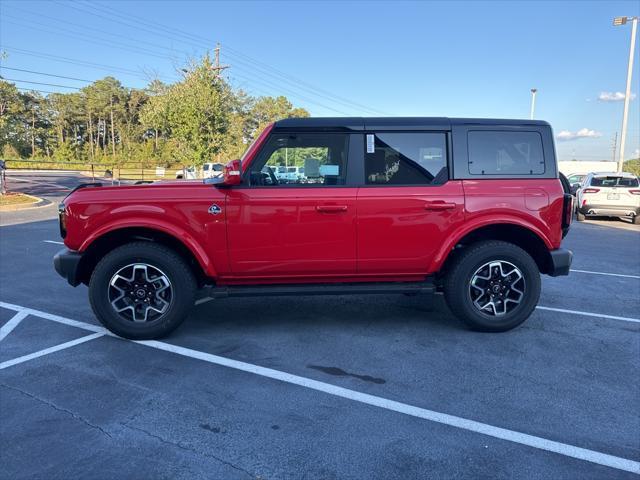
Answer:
(407, 205)
(281, 226)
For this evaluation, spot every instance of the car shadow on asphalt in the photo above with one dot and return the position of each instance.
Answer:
(351, 311)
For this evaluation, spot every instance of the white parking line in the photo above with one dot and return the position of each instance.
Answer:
(365, 398)
(53, 241)
(57, 318)
(606, 273)
(431, 415)
(8, 327)
(47, 351)
(589, 314)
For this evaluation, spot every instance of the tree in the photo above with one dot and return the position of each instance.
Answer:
(105, 104)
(270, 109)
(11, 111)
(632, 166)
(198, 114)
(198, 119)
(154, 114)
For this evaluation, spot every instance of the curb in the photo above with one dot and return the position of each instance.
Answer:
(39, 203)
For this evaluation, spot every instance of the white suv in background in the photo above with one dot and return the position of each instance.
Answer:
(609, 195)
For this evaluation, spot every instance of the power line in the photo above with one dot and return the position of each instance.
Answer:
(87, 38)
(82, 63)
(295, 94)
(127, 46)
(53, 75)
(82, 27)
(35, 90)
(265, 68)
(273, 85)
(39, 83)
(246, 62)
(47, 74)
(249, 59)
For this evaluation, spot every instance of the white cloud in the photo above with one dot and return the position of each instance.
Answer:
(613, 96)
(582, 133)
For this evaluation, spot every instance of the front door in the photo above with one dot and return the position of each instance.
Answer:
(294, 217)
(407, 206)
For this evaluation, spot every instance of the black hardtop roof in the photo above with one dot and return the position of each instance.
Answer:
(397, 123)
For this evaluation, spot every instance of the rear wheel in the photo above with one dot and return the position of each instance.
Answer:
(580, 216)
(493, 286)
(142, 290)
(636, 220)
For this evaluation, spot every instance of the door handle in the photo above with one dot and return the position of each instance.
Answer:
(331, 208)
(439, 206)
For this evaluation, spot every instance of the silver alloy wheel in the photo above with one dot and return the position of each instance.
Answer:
(497, 287)
(140, 292)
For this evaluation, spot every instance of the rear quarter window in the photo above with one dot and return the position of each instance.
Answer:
(494, 152)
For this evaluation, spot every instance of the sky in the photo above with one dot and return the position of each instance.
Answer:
(355, 58)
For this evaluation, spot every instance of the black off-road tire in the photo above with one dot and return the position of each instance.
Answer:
(178, 272)
(471, 258)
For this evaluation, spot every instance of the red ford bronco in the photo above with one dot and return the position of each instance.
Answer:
(473, 208)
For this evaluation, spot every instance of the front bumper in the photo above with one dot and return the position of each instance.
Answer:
(560, 262)
(67, 264)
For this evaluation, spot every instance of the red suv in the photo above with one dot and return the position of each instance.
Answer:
(473, 208)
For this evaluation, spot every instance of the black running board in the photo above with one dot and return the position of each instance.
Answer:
(426, 287)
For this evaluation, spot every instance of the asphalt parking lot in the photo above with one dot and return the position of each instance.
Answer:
(386, 387)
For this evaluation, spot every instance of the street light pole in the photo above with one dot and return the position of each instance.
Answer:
(627, 96)
(533, 102)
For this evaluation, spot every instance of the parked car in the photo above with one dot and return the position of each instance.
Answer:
(188, 173)
(279, 171)
(610, 195)
(575, 180)
(392, 209)
(212, 170)
(294, 174)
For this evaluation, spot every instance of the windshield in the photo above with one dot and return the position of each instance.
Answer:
(611, 181)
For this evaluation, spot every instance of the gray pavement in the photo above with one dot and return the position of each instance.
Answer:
(110, 408)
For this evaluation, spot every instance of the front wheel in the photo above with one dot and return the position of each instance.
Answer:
(493, 286)
(142, 290)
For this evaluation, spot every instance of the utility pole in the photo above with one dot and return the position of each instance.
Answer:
(627, 97)
(217, 67)
(615, 145)
(533, 102)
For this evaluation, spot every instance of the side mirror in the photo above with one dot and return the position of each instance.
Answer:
(574, 188)
(232, 173)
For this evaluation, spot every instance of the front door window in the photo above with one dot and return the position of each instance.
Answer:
(301, 159)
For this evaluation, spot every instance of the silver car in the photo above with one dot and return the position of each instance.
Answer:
(609, 195)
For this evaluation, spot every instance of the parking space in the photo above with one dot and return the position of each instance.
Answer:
(324, 387)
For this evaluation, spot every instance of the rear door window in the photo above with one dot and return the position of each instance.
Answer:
(505, 153)
(406, 158)
(628, 182)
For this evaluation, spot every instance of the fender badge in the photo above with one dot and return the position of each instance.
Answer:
(215, 209)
